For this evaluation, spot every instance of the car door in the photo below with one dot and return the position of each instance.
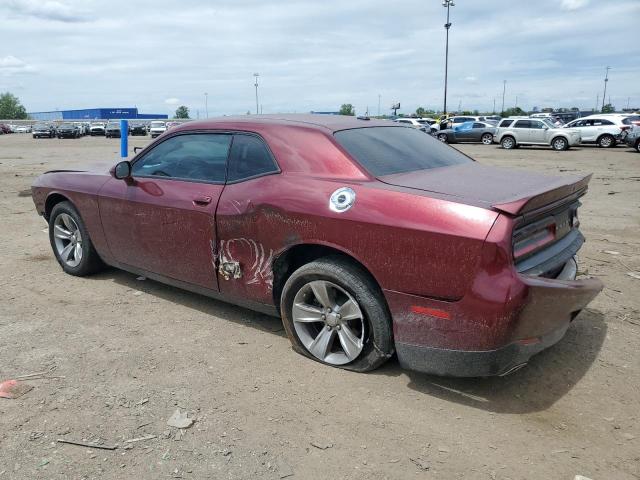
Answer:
(463, 132)
(538, 132)
(522, 130)
(476, 132)
(244, 221)
(162, 219)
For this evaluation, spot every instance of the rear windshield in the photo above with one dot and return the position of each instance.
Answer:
(389, 150)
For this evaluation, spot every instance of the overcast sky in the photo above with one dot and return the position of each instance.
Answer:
(316, 55)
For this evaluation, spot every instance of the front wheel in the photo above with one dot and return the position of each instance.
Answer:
(334, 313)
(638, 146)
(487, 139)
(508, 143)
(70, 241)
(443, 137)
(560, 143)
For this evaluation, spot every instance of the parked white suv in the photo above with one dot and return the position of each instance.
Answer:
(603, 130)
(157, 128)
(513, 132)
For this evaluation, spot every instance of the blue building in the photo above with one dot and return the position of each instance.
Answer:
(96, 114)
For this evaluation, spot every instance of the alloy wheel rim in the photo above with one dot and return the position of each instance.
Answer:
(486, 139)
(67, 239)
(605, 142)
(442, 138)
(508, 143)
(328, 322)
(559, 144)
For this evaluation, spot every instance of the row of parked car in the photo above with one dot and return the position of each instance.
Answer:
(603, 130)
(109, 129)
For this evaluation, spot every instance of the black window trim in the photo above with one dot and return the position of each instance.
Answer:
(233, 133)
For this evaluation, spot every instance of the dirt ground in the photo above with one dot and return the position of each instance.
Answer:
(124, 354)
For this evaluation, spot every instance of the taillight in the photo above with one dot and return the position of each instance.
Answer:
(533, 240)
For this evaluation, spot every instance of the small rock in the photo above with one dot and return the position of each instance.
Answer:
(321, 445)
(420, 463)
(581, 477)
(179, 420)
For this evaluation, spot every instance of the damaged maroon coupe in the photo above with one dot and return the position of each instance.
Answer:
(366, 237)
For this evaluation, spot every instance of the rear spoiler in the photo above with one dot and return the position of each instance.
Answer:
(563, 190)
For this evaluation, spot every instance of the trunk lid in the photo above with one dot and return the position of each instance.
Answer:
(515, 192)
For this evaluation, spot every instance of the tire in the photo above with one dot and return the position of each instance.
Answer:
(368, 334)
(559, 144)
(486, 139)
(637, 147)
(606, 141)
(443, 138)
(508, 142)
(64, 221)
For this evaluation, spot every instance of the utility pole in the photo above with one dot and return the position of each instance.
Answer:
(494, 105)
(206, 105)
(379, 96)
(256, 85)
(516, 101)
(606, 80)
(447, 4)
(597, 102)
(504, 89)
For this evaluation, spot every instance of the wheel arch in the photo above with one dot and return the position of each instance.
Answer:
(52, 200)
(295, 256)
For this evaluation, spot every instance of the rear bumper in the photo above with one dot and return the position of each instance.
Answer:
(494, 329)
(463, 363)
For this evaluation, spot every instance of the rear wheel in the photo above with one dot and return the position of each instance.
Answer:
(70, 241)
(559, 143)
(638, 146)
(334, 313)
(508, 143)
(487, 138)
(606, 141)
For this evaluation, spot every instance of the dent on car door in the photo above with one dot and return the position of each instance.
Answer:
(244, 217)
(162, 220)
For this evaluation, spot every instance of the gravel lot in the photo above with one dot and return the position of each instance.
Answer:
(124, 354)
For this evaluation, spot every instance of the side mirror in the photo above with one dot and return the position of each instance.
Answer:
(122, 170)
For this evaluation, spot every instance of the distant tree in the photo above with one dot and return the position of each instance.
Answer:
(608, 108)
(476, 113)
(420, 112)
(182, 112)
(513, 112)
(11, 108)
(347, 109)
(575, 109)
(536, 109)
(466, 112)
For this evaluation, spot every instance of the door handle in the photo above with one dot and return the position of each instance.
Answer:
(201, 201)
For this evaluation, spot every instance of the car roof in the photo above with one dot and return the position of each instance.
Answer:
(332, 123)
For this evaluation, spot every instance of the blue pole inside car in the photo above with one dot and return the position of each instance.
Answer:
(124, 138)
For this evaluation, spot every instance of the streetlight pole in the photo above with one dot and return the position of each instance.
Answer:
(504, 89)
(379, 96)
(206, 105)
(447, 4)
(606, 80)
(256, 85)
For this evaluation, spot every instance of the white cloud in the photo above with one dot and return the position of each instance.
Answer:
(573, 4)
(54, 10)
(471, 78)
(11, 65)
(172, 101)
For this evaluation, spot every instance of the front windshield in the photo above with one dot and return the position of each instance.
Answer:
(549, 122)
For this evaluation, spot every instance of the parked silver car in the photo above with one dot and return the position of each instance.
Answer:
(513, 132)
(468, 132)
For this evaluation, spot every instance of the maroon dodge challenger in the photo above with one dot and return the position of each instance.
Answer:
(368, 238)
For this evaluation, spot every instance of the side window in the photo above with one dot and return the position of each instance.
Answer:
(478, 125)
(505, 123)
(249, 157)
(536, 124)
(522, 124)
(404, 121)
(190, 157)
(606, 122)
